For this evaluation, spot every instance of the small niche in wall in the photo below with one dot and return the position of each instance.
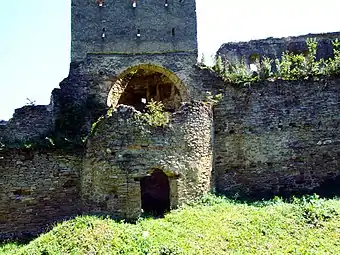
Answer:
(22, 192)
(173, 31)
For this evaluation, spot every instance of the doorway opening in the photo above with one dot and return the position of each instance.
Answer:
(155, 193)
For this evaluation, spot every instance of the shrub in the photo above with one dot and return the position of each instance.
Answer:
(313, 66)
(290, 67)
(218, 67)
(238, 73)
(211, 99)
(266, 68)
(155, 114)
(332, 66)
(314, 211)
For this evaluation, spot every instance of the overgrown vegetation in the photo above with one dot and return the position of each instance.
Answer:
(155, 114)
(214, 225)
(212, 99)
(290, 67)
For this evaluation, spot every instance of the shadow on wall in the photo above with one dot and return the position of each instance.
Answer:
(329, 188)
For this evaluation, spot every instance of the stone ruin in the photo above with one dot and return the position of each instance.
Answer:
(253, 51)
(88, 152)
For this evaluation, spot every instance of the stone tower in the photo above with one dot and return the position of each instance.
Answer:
(156, 41)
(129, 52)
(133, 26)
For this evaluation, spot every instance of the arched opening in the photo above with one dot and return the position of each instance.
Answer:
(155, 193)
(138, 85)
(254, 62)
(254, 58)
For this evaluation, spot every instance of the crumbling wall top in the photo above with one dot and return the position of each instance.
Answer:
(273, 48)
(28, 123)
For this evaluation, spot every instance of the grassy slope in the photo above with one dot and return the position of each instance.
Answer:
(215, 226)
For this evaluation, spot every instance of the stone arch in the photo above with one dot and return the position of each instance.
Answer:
(147, 81)
(254, 58)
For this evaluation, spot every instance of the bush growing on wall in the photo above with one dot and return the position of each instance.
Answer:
(155, 114)
(332, 66)
(266, 68)
(313, 66)
(290, 67)
(237, 73)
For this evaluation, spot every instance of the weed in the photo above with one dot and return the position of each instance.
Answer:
(155, 114)
(290, 67)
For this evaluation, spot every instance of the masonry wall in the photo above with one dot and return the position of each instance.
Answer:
(37, 188)
(124, 149)
(273, 48)
(82, 97)
(121, 22)
(28, 124)
(278, 138)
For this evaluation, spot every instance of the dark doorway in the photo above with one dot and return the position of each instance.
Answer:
(155, 193)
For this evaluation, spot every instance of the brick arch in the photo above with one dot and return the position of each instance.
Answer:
(149, 81)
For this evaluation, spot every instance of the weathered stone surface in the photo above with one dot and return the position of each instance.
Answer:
(274, 47)
(28, 123)
(37, 188)
(277, 138)
(125, 149)
(83, 96)
(121, 23)
(270, 138)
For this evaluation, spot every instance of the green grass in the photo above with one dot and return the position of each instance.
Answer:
(211, 226)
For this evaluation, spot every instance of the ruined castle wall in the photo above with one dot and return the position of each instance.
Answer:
(278, 137)
(37, 188)
(82, 97)
(273, 48)
(27, 124)
(125, 149)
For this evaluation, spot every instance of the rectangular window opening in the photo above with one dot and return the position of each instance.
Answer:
(173, 31)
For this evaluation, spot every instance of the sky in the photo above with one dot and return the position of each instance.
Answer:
(35, 37)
